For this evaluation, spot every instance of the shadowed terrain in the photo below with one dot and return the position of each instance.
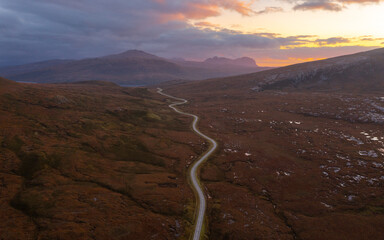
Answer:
(93, 161)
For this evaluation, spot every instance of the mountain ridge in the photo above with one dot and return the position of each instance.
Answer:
(360, 72)
(132, 67)
(244, 61)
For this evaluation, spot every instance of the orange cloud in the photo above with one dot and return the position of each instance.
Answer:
(195, 11)
(242, 7)
(198, 10)
(201, 9)
(206, 25)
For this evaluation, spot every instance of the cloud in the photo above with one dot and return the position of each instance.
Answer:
(370, 39)
(270, 10)
(328, 5)
(50, 29)
(317, 5)
(47, 29)
(273, 57)
(206, 25)
(332, 41)
(242, 7)
(201, 9)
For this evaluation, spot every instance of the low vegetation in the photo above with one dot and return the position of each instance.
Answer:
(70, 152)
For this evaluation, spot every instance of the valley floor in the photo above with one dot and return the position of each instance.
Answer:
(293, 165)
(98, 161)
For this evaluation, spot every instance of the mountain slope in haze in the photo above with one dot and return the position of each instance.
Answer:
(21, 69)
(219, 67)
(131, 67)
(244, 61)
(133, 54)
(361, 72)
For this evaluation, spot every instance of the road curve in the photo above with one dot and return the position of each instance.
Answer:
(202, 203)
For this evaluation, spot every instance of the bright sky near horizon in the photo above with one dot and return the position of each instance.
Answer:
(356, 21)
(274, 32)
(353, 25)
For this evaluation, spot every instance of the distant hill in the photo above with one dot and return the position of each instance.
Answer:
(21, 69)
(244, 62)
(132, 67)
(219, 67)
(7, 86)
(4, 81)
(362, 72)
(132, 54)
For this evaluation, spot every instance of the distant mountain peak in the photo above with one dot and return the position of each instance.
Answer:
(244, 61)
(132, 54)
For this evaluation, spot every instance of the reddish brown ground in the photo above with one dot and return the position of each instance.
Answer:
(102, 162)
(291, 165)
(93, 161)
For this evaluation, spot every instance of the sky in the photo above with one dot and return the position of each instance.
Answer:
(273, 32)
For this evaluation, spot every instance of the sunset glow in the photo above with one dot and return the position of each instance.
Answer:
(273, 32)
(355, 26)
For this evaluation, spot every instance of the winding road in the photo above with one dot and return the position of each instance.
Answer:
(202, 203)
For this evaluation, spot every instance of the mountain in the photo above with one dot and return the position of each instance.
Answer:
(132, 67)
(361, 72)
(219, 67)
(132, 54)
(244, 62)
(20, 69)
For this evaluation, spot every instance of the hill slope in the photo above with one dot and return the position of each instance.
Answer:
(362, 72)
(88, 159)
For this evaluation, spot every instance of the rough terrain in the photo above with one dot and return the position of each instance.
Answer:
(93, 161)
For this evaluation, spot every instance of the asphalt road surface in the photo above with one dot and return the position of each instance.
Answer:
(202, 203)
